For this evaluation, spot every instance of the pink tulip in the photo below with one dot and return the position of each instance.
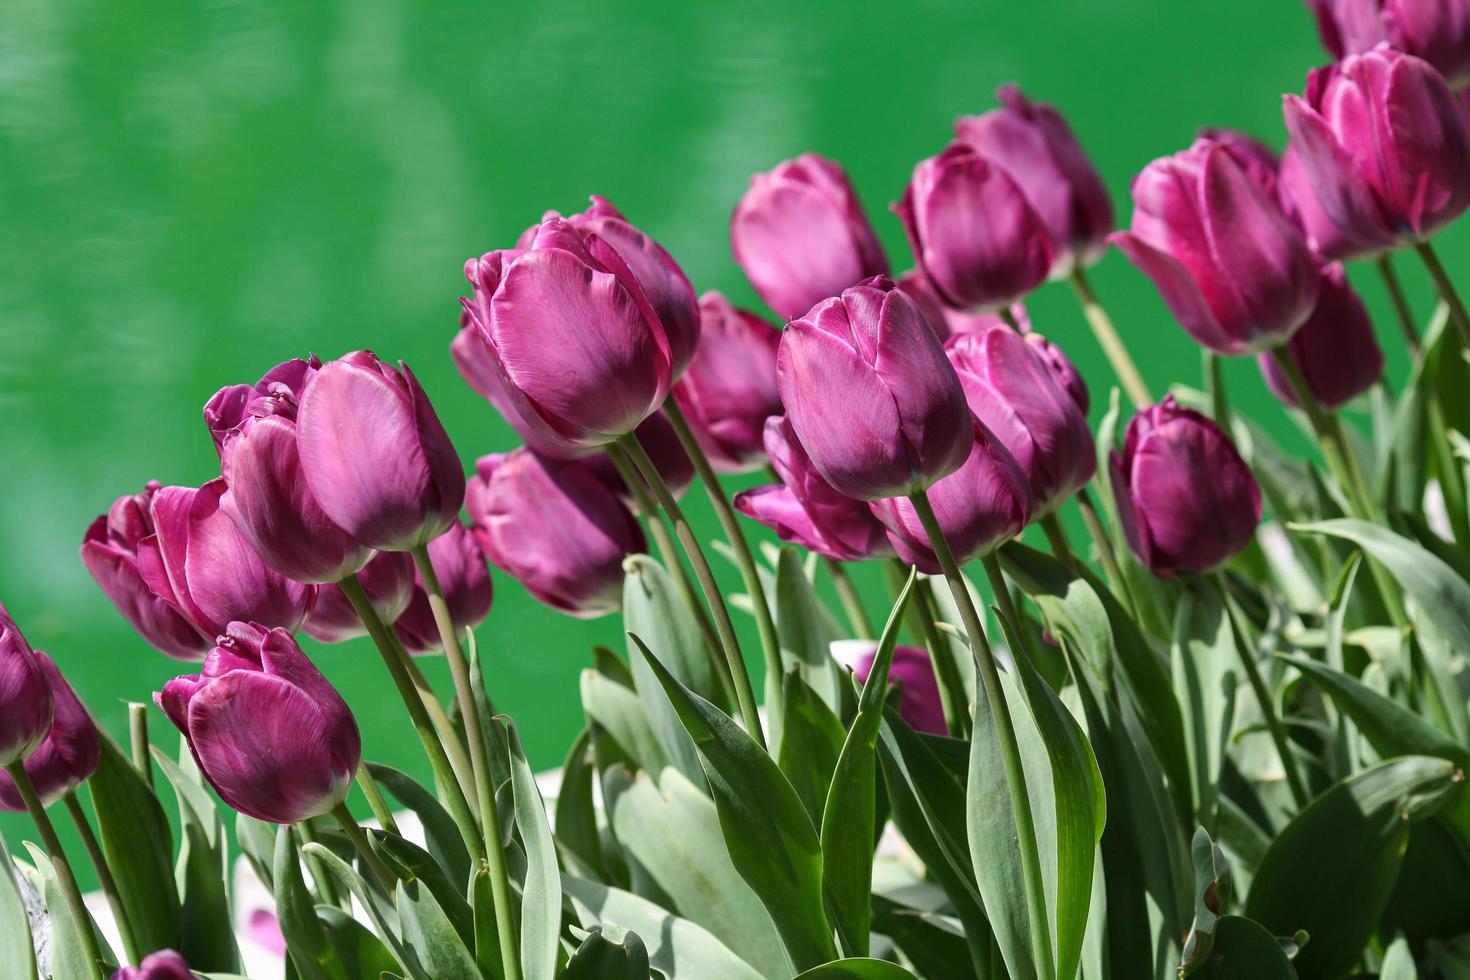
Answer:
(163, 965)
(1436, 30)
(1335, 349)
(947, 321)
(67, 757)
(25, 696)
(459, 565)
(920, 704)
(388, 582)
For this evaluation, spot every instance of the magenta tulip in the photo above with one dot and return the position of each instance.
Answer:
(973, 233)
(946, 321)
(1436, 30)
(920, 704)
(1386, 147)
(25, 696)
(1035, 147)
(1234, 270)
(1299, 199)
(730, 389)
(269, 732)
(801, 236)
(1062, 369)
(459, 565)
(657, 437)
(1186, 500)
(67, 757)
(254, 429)
(556, 528)
(388, 582)
(163, 965)
(110, 552)
(1335, 349)
(870, 395)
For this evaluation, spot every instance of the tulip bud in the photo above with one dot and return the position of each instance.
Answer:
(1436, 30)
(946, 321)
(110, 552)
(1016, 396)
(920, 704)
(870, 395)
(1231, 266)
(1061, 368)
(1385, 146)
(270, 733)
(1335, 349)
(973, 233)
(388, 582)
(67, 757)
(254, 430)
(1033, 144)
(730, 389)
(657, 437)
(804, 509)
(459, 565)
(580, 352)
(25, 696)
(555, 527)
(1186, 500)
(1299, 200)
(163, 965)
(197, 560)
(801, 236)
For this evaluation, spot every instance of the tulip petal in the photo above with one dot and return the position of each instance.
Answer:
(1343, 195)
(154, 617)
(1179, 292)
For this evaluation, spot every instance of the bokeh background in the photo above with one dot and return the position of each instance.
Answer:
(190, 193)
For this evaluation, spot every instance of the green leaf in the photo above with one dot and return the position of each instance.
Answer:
(576, 814)
(936, 945)
(415, 863)
(1398, 962)
(622, 716)
(769, 836)
(15, 927)
(68, 955)
(858, 969)
(541, 892)
(312, 955)
(441, 834)
(1213, 889)
(1245, 951)
(201, 871)
(601, 958)
(1204, 661)
(428, 932)
(487, 939)
(811, 741)
(383, 916)
(257, 839)
(363, 954)
(802, 627)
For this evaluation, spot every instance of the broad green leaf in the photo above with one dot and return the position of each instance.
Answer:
(541, 891)
(1205, 681)
(653, 609)
(769, 836)
(1398, 962)
(384, 918)
(363, 954)
(601, 958)
(858, 969)
(310, 952)
(936, 945)
(257, 840)
(1431, 899)
(811, 741)
(1243, 950)
(440, 832)
(1213, 888)
(622, 716)
(15, 928)
(427, 932)
(68, 955)
(417, 864)
(576, 814)
(487, 938)
(802, 627)
(201, 871)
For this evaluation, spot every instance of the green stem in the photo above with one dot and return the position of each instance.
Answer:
(385, 877)
(1009, 319)
(1215, 383)
(138, 739)
(1400, 302)
(1105, 553)
(923, 619)
(1108, 339)
(104, 877)
(449, 736)
(86, 931)
(326, 886)
(459, 668)
(744, 693)
(1007, 606)
(1446, 289)
(852, 603)
(1005, 733)
(1061, 548)
(376, 802)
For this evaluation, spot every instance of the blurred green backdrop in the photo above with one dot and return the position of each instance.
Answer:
(193, 192)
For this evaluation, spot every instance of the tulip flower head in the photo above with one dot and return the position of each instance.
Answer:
(947, 321)
(1335, 349)
(163, 965)
(26, 709)
(388, 582)
(459, 565)
(70, 752)
(1436, 30)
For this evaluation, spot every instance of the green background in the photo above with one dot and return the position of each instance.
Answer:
(191, 193)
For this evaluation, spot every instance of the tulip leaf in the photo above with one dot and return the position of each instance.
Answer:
(429, 936)
(68, 954)
(802, 625)
(208, 933)
(441, 833)
(1213, 888)
(768, 834)
(382, 914)
(653, 610)
(487, 938)
(576, 814)
(541, 891)
(417, 864)
(257, 840)
(1243, 949)
(623, 717)
(15, 927)
(363, 954)
(857, 969)
(1205, 681)
(1398, 962)
(936, 945)
(811, 741)
(306, 943)
(602, 958)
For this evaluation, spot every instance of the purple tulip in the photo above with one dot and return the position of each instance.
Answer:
(199, 562)
(1436, 30)
(804, 509)
(973, 233)
(920, 704)
(1386, 146)
(459, 565)
(388, 582)
(946, 321)
(163, 965)
(254, 429)
(1015, 394)
(67, 757)
(555, 527)
(801, 236)
(1186, 500)
(269, 732)
(375, 455)
(1062, 369)
(870, 395)
(110, 552)
(730, 389)
(1231, 266)
(1299, 200)
(1335, 349)
(580, 351)
(1033, 144)
(25, 696)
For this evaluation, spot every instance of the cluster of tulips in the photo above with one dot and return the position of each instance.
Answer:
(1078, 789)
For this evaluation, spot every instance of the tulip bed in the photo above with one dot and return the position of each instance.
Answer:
(1225, 738)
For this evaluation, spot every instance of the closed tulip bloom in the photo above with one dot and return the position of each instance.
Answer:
(163, 965)
(1299, 199)
(804, 509)
(1062, 369)
(657, 437)
(198, 561)
(730, 389)
(973, 233)
(69, 754)
(556, 528)
(580, 351)
(1016, 396)
(25, 695)
(388, 582)
(375, 455)
(459, 565)
(269, 732)
(1386, 147)
(1234, 270)
(254, 429)
(920, 704)
(800, 235)
(870, 395)
(1033, 144)
(1335, 349)
(1186, 500)
(947, 321)
(110, 552)
(1436, 30)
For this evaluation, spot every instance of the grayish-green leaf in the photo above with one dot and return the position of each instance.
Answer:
(310, 952)
(1398, 962)
(19, 963)
(435, 944)
(622, 716)
(601, 958)
(1204, 682)
(858, 969)
(802, 627)
(201, 871)
(811, 741)
(541, 891)
(440, 831)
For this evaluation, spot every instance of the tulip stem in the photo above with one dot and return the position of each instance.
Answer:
(104, 876)
(86, 931)
(376, 802)
(946, 671)
(852, 603)
(387, 645)
(744, 693)
(448, 734)
(354, 832)
(1446, 289)
(1105, 553)
(1061, 548)
(138, 740)
(1215, 384)
(459, 667)
(1107, 338)
(1009, 319)
(326, 887)
(1005, 731)
(1400, 302)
